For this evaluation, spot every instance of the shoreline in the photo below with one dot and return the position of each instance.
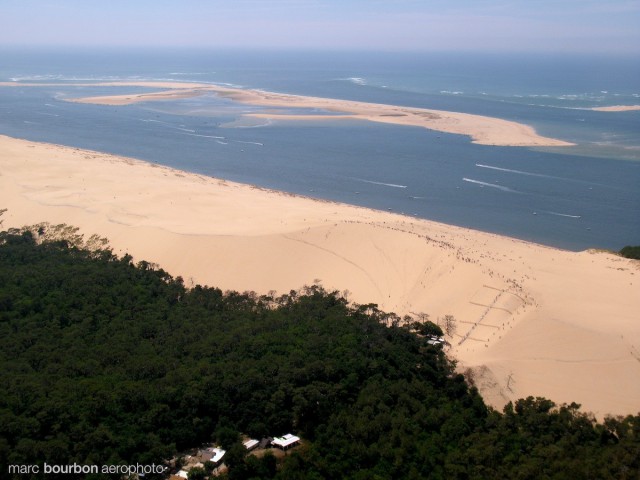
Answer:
(482, 130)
(523, 324)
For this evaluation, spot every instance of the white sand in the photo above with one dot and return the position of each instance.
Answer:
(532, 320)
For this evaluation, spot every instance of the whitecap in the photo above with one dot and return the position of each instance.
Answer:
(394, 185)
(354, 80)
(492, 185)
(357, 80)
(563, 214)
(519, 172)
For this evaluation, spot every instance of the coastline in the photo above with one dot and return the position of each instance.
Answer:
(483, 130)
(523, 325)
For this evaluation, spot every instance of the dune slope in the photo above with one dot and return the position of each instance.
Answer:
(530, 320)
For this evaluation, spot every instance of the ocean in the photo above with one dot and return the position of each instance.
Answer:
(585, 196)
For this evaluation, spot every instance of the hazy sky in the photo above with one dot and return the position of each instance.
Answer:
(502, 25)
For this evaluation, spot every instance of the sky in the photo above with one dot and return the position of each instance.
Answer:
(603, 26)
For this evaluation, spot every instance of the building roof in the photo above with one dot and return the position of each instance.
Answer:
(285, 440)
(218, 453)
(249, 444)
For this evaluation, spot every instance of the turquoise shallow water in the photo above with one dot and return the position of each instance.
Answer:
(578, 197)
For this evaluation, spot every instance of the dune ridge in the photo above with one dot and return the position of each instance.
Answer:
(530, 320)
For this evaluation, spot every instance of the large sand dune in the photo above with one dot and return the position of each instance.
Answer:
(531, 320)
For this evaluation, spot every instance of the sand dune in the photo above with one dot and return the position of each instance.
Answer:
(531, 320)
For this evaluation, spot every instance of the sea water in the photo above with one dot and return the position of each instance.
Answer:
(586, 196)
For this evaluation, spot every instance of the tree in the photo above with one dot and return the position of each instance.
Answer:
(101, 364)
(227, 436)
(427, 329)
(197, 473)
(631, 252)
(449, 325)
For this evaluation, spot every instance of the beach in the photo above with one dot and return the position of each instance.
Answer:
(530, 320)
(483, 130)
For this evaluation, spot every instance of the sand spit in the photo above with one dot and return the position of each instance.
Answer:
(617, 108)
(482, 130)
(531, 320)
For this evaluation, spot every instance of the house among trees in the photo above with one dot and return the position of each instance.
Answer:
(286, 441)
(213, 455)
(435, 340)
(250, 444)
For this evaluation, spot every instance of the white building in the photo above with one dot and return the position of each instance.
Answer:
(286, 441)
(250, 444)
(212, 454)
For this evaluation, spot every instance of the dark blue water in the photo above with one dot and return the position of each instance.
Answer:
(580, 197)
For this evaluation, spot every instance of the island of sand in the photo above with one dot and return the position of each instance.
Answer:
(617, 108)
(530, 320)
(482, 129)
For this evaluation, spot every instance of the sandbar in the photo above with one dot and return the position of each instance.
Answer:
(617, 108)
(482, 129)
(531, 320)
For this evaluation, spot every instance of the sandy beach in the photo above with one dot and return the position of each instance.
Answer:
(482, 129)
(531, 320)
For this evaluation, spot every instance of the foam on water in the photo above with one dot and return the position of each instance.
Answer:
(355, 80)
(539, 175)
(393, 185)
(492, 185)
(563, 214)
(204, 136)
(519, 172)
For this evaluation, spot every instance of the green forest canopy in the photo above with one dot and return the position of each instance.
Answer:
(107, 362)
